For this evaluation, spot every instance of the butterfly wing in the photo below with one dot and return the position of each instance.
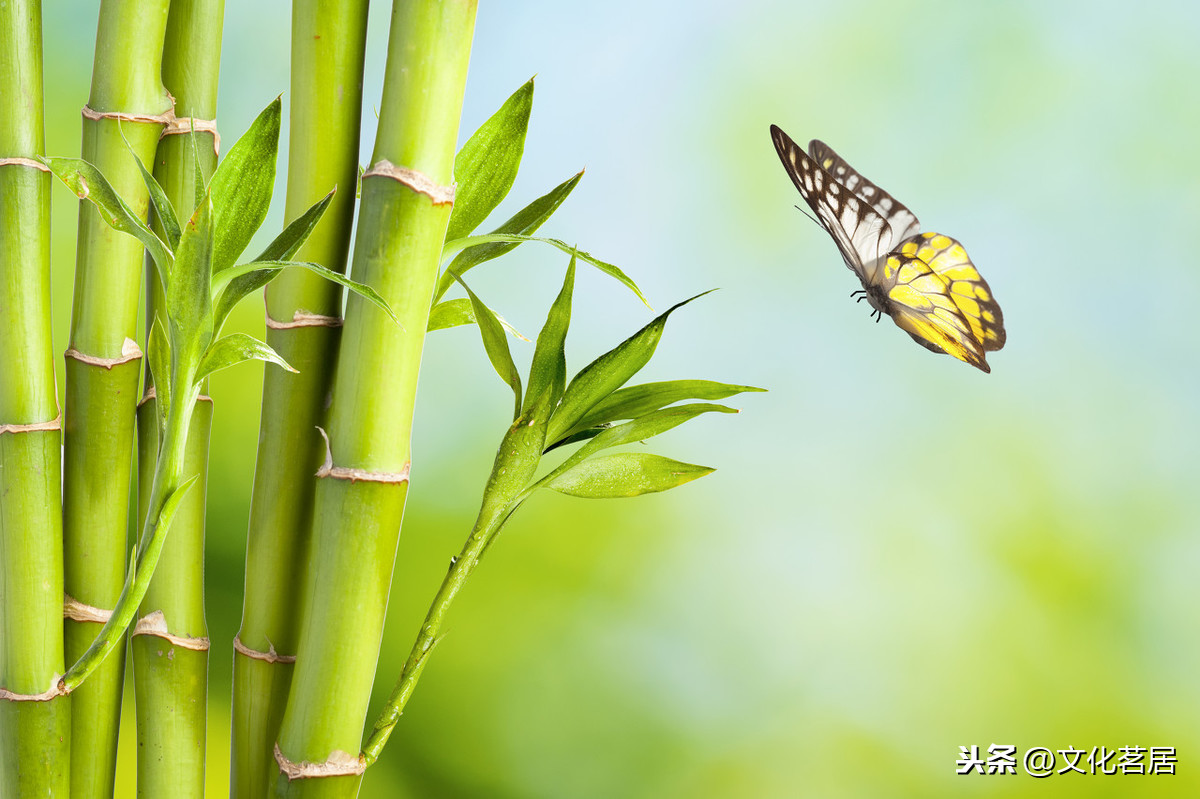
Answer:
(903, 222)
(920, 302)
(856, 227)
(965, 286)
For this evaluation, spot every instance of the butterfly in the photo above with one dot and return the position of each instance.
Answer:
(924, 281)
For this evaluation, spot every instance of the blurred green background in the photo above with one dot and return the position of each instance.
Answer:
(899, 555)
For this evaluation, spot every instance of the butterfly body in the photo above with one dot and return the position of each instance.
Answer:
(925, 281)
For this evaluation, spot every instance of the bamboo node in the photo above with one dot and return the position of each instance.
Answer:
(75, 610)
(129, 352)
(156, 624)
(304, 319)
(177, 125)
(53, 692)
(338, 764)
(417, 181)
(270, 656)
(33, 427)
(17, 160)
(354, 475)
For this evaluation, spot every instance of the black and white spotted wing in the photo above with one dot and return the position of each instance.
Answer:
(862, 234)
(902, 221)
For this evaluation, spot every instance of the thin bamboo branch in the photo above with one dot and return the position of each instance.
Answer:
(357, 521)
(34, 722)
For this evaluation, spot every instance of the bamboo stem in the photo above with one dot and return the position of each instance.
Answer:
(169, 643)
(360, 501)
(102, 368)
(328, 49)
(34, 721)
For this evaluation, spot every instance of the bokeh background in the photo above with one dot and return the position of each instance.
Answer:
(898, 555)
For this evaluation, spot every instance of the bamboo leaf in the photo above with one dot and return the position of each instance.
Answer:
(241, 187)
(607, 373)
(199, 189)
(223, 283)
(632, 402)
(496, 346)
(87, 183)
(234, 349)
(159, 357)
(189, 304)
(454, 313)
(652, 424)
(548, 371)
(297, 232)
(625, 474)
(487, 164)
(525, 222)
(162, 206)
(282, 248)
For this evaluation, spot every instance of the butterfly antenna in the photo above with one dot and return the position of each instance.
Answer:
(806, 213)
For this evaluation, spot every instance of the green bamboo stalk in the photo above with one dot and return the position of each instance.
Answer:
(34, 719)
(102, 369)
(169, 644)
(328, 47)
(360, 497)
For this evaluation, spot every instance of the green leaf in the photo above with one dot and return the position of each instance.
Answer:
(496, 346)
(162, 206)
(224, 283)
(605, 267)
(159, 357)
(234, 349)
(241, 188)
(282, 248)
(297, 232)
(454, 313)
(189, 304)
(607, 373)
(87, 182)
(526, 221)
(625, 474)
(632, 402)
(548, 371)
(648, 426)
(199, 189)
(487, 164)
(150, 548)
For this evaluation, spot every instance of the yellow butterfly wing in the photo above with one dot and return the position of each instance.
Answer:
(939, 298)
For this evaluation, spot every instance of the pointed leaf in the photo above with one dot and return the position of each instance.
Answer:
(87, 182)
(297, 232)
(625, 474)
(199, 189)
(241, 187)
(189, 304)
(607, 373)
(159, 357)
(487, 164)
(234, 349)
(496, 346)
(632, 402)
(162, 206)
(548, 371)
(524, 222)
(605, 267)
(223, 284)
(648, 426)
(149, 549)
(454, 313)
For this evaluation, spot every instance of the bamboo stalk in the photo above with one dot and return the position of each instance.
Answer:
(304, 313)
(169, 643)
(127, 104)
(361, 492)
(34, 720)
